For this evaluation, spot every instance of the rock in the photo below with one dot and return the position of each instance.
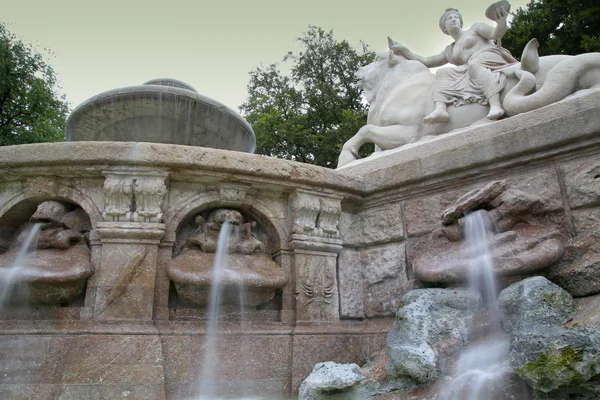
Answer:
(523, 231)
(582, 276)
(543, 351)
(433, 324)
(549, 358)
(52, 211)
(78, 220)
(534, 301)
(472, 200)
(328, 379)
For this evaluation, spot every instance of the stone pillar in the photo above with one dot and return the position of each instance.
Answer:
(316, 243)
(122, 288)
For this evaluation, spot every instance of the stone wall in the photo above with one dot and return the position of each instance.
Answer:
(343, 237)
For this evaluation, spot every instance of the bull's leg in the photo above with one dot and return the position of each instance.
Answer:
(385, 137)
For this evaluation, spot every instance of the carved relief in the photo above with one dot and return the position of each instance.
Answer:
(315, 214)
(118, 198)
(49, 260)
(521, 235)
(317, 284)
(246, 264)
(317, 287)
(134, 196)
(149, 193)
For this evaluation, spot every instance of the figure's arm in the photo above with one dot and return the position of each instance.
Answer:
(430, 62)
(496, 33)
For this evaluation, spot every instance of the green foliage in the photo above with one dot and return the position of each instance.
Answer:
(308, 115)
(31, 110)
(561, 27)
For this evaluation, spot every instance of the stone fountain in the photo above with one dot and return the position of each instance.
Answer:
(334, 261)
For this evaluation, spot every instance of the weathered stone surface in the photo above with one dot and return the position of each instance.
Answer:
(534, 301)
(182, 116)
(585, 219)
(545, 351)
(473, 200)
(192, 273)
(328, 379)
(49, 276)
(431, 322)
(317, 296)
(552, 357)
(384, 278)
(351, 284)
(521, 237)
(422, 215)
(309, 350)
(78, 220)
(581, 277)
(582, 180)
(375, 225)
(50, 211)
(587, 312)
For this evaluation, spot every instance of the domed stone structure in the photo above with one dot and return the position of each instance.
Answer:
(160, 111)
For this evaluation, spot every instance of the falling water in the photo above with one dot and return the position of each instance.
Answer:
(209, 364)
(8, 276)
(482, 370)
(481, 267)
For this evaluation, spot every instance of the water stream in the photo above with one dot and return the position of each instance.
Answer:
(221, 281)
(482, 371)
(8, 275)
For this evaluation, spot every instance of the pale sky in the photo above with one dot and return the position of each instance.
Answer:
(211, 45)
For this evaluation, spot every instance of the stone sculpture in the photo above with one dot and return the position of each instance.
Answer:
(409, 103)
(56, 271)
(247, 263)
(522, 241)
(476, 78)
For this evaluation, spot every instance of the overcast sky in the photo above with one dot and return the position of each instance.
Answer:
(211, 45)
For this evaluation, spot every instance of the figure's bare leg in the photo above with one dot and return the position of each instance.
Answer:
(439, 115)
(496, 110)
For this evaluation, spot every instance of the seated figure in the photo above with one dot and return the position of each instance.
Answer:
(475, 78)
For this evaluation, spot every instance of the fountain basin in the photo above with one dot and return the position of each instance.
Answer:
(50, 276)
(192, 274)
(160, 111)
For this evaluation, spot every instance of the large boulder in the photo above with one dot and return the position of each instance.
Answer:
(581, 276)
(429, 331)
(328, 379)
(550, 355)
(534, 301)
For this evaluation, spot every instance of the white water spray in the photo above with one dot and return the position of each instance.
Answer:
(7, 277)
(482, 369)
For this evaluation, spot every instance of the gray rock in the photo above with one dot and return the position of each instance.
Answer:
(581, 277)
(328, 379)
(546, 354)
(77, 220)
(432, 325)
(549, 358)
(534, 301)
(52, 211)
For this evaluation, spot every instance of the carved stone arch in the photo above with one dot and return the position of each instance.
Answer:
(250, 206)
(33, 197)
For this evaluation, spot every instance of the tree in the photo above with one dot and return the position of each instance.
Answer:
(561, 27)
(308, 115)
(31, 109)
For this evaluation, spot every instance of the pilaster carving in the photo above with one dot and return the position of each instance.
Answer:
(134, 195)
(315, 214)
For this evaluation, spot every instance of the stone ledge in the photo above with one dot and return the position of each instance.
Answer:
(571, 124)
